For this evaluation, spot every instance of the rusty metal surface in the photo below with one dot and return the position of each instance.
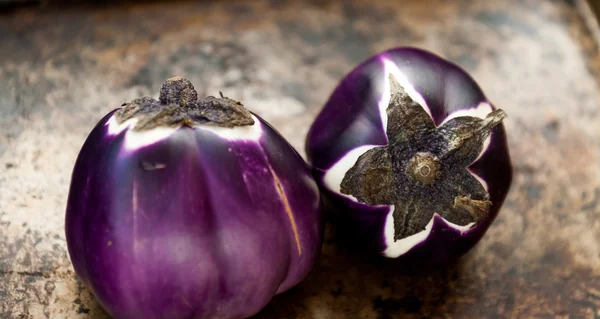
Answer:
(62, 70)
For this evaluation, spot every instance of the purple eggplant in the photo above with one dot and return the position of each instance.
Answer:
(190, 208)
(411, 156)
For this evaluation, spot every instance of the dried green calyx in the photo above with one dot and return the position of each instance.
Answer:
(423, 169)
(178, 104)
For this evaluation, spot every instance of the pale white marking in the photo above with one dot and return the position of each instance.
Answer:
(135, 140)
(480, 111)
(115, 128)
(481, 181)
(486, 144)
(391, 68)
(334, 176)
(249, 132)
(397, 248)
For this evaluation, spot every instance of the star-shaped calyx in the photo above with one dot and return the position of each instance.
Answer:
(423, 169)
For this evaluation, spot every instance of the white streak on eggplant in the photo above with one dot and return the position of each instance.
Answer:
(400, 247)
(481, 181)
(114, 128)
(135, 140)
(480, 111)
(391, 68)
(247, 132)
(334, 176)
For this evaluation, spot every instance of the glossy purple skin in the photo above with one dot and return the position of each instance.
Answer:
(206, 236)
(351, 119)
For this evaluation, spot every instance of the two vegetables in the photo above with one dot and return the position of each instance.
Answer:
(192, 207)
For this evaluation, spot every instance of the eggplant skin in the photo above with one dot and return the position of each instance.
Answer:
(193, 225)
(351, 119)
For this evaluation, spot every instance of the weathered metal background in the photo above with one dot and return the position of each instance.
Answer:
(62, 69)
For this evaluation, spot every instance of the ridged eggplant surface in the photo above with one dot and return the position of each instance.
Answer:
(190, 208)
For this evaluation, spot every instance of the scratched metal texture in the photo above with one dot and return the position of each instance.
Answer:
(62, 69)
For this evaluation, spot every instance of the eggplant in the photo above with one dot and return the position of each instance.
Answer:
(411, 157)
(190, 208)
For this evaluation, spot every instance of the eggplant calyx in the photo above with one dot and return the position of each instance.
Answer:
(178, 104)
(178, 91)
(423, 170)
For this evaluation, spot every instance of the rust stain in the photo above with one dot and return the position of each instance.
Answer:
(288, 210)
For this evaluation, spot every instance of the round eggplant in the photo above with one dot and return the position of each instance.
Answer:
(411, 156)
(190, 208)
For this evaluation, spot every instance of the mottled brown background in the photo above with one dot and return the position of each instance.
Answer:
(62, 69)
